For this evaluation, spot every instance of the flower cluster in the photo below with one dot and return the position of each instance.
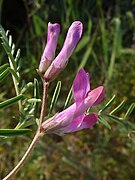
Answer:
(49, 66)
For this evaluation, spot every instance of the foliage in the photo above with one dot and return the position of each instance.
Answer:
(107, 51)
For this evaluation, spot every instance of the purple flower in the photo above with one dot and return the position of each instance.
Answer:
(49, 51)
(59, 63)
(75, 118)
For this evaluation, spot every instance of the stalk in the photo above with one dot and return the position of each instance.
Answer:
(37, 137)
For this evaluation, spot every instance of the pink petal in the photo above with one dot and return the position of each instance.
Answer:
(49, 51)
(60, 120)
(52, 38)
(88, 83)
(95, 96)
(87, 121)
(73, 36)
(81, 86)
(72, 126)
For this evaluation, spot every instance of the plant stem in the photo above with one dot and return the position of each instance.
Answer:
(24, 158)
(43, 107)
(38, 135)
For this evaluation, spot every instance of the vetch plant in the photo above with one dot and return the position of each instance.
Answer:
(73, 118)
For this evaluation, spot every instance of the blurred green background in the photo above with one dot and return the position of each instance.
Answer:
(107, 52)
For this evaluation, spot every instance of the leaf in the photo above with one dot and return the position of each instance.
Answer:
(10, 102)
(88, 52)
(15, 74)
(12, 61)
(7, 71)
(14, 132)
(3, 67)
(68, 100)
(3, 34)
(55, 96)
(4, 74)
(36, 89)
(17, 55)
(10, 40)
(116, 47)
(37, 96)
(95, 57)
(38, 24)
(104, 38)
(129, 111)
(26, 123)
(26, 87)
(84, 41)
(108, 104)
(103, 121)
(7, 44)
(34, 100)
(127, 122)
(13, 49)
(6, 47)
(115, 119)
(119, 107)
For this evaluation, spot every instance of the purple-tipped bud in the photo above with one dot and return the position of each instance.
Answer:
(49, 51)
(59, 63)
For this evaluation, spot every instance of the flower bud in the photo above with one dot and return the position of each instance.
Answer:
(59, 63)
(49, 51)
